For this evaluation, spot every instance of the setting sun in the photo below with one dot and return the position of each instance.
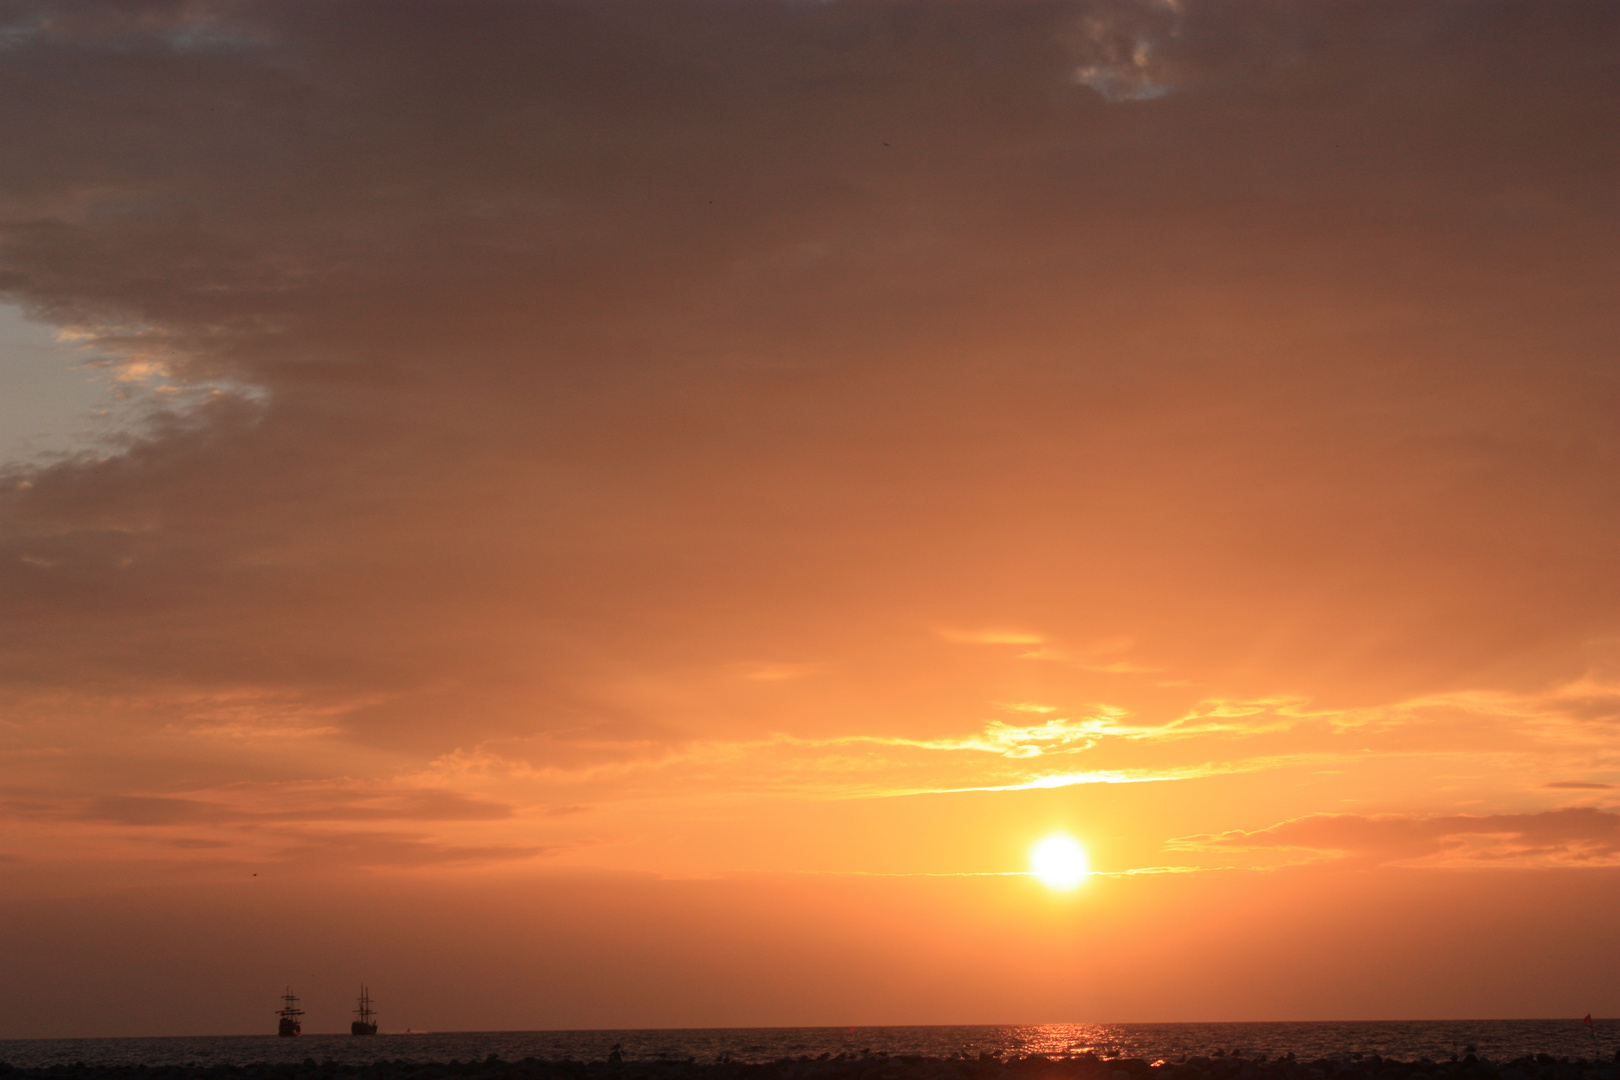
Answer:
(1059, 862)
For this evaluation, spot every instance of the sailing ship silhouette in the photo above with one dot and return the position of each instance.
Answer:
(366, 1024)
(289, 1013)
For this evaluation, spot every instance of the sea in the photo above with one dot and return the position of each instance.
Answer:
(1408, 1040)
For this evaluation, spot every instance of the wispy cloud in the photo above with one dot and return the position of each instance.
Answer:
(1575, 836)
(1586, 706)
(1212, 737)
(303, 824)
(780, 672)
(1119, 48)
(1099, 656)
(264, 803)
(993, 636)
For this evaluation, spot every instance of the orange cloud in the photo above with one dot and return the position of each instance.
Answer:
(1575, 836)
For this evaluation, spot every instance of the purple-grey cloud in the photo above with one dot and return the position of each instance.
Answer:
(1575, 835)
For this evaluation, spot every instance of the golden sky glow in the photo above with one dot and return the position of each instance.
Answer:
(660, 507)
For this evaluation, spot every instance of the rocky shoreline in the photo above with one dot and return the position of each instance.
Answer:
(878, 1066)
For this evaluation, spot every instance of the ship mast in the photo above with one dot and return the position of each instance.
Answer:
(364, 1011)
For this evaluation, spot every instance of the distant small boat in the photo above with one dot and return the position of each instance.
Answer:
(289, 1013)
(365, 1025)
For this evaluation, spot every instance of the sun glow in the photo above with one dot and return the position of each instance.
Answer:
(1059, 861)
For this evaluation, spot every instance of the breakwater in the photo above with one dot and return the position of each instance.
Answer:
(872, 1066)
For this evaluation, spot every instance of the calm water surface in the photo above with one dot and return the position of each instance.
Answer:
(1408, 1040)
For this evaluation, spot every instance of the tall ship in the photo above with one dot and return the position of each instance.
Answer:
(367, 1023)
(289, 1013)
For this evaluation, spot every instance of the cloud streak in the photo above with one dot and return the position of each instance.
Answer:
(1573, 836)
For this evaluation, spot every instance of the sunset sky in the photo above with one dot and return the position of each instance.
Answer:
(642, 512)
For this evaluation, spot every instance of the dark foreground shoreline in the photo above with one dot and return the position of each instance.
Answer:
(880, 1066)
